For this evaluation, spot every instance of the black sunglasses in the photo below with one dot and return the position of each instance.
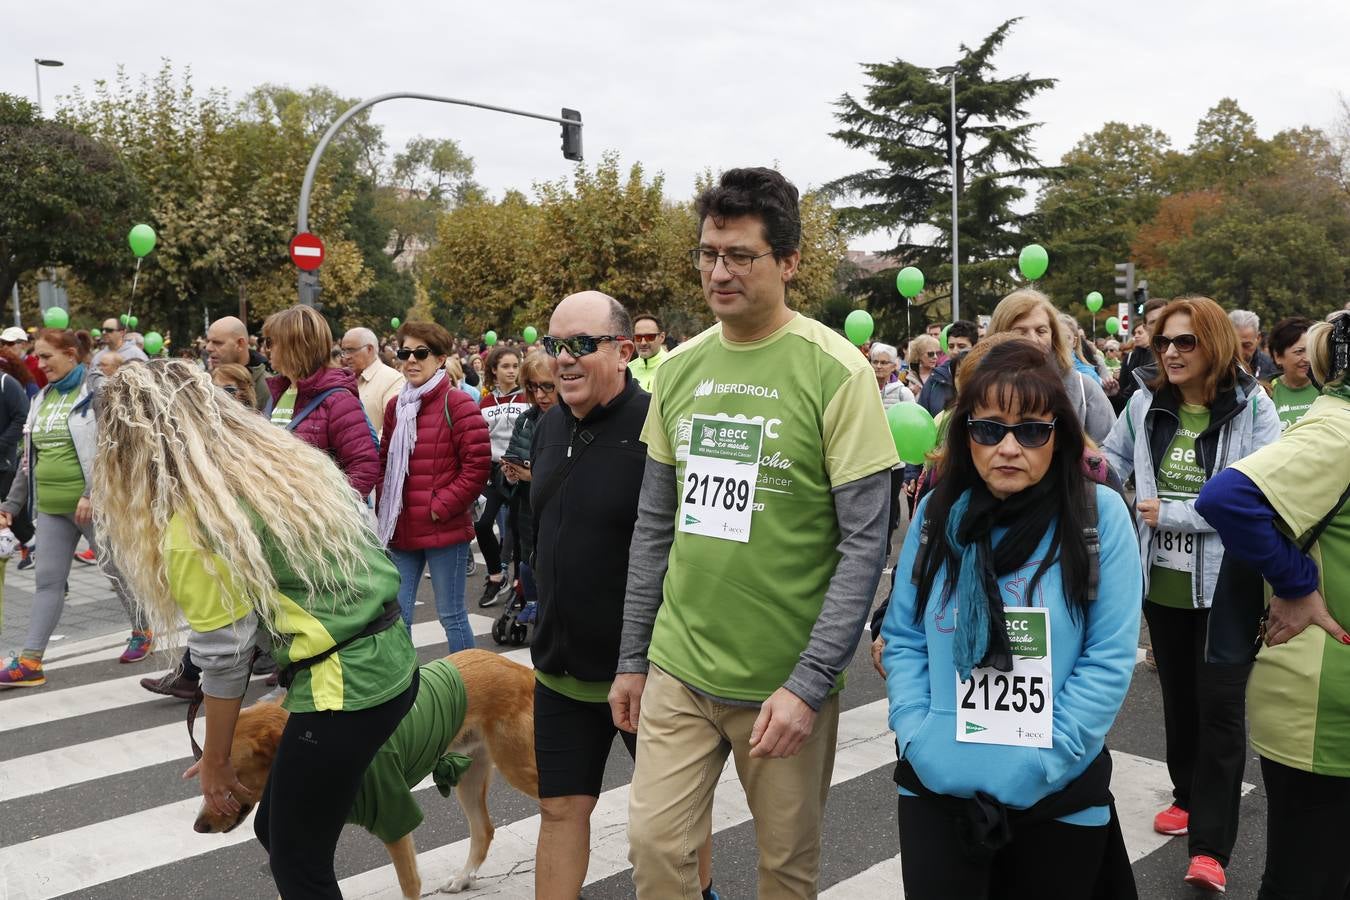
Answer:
(578, 345)
(1184, 343)
(405, 354)
(990, 433)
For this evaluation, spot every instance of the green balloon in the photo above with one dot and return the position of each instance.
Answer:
(942, 338)
(1093, 301)
(394, 322)
(142, 240)
(56, 317)
(1033, 261)
(531, 334)
(95, 334)
(490, 338)
(154, 343)
(914, 431)
(859, 326)
(124, 318)
(909, 282)
(1112, 325)
(132, 322)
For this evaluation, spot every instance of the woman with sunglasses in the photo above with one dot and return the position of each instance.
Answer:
(433, 461)
(236, 381)
(922, 359)
(1286, 508)
(1292, 390)
(1193, 415)
(538, 376)
(503, 402)
(316, 399)
(1006, 661)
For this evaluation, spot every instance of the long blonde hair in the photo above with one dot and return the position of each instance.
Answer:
(171, 443)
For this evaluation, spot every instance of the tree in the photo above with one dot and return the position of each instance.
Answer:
(426, 179)
(903, 119)
(1227, 152)
(68, 200)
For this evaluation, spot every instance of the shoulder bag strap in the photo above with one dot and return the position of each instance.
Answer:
(310, 407)
(1321, 526)
(540, 498)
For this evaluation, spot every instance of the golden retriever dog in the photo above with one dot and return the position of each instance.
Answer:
(498, 732)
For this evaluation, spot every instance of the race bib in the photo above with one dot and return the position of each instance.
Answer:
(718, 492)
(1014, 708)
(1174, 550)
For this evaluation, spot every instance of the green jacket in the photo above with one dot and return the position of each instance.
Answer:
(644, 370)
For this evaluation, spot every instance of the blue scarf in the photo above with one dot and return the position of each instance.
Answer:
(73, 379)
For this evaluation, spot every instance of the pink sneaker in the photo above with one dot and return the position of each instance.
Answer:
(1206, 874)
(138, 647)
(1173, 820)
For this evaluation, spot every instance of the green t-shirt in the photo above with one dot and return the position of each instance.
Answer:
(384, 804)
(284, 411)
(1291, 404)
(575, 688)
(1298, 697)
(366, 673)
(1180, 477)
(736, 616)
(60, 479)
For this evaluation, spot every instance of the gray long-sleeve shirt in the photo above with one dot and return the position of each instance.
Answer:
(861, 508)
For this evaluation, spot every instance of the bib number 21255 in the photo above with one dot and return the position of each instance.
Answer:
(1014, 708)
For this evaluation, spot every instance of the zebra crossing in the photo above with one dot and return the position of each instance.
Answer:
(92, 805)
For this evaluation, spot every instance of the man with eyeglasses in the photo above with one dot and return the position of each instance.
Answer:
(760, 539)
(115, 342)
(650, 339)
(228, 341)
(375, 382)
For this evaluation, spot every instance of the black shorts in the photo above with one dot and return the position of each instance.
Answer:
(572, 740)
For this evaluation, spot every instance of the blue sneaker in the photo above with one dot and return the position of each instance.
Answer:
(528, 614)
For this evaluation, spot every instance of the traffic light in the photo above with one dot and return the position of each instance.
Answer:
(1141, 296)
(571, 135)
(1125, 281)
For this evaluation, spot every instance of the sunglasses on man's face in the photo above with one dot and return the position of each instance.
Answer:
(990, 433)
(420, 353)
(578, 345)
(1184, 343)
(646, 338)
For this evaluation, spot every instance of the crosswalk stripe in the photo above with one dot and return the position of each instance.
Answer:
(43, 706)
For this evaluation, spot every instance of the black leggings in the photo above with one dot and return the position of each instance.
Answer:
(1053, 859)
(1307, 818)
(487, 539)
(314, 779)
(1204, 709)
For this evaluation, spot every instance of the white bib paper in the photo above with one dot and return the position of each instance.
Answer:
(1174, 550)
(718, 492)
(1014, 708)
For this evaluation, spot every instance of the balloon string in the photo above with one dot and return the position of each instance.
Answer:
(134, 278)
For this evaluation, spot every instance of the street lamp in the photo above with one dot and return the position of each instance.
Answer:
(956, 277)
(37, 76)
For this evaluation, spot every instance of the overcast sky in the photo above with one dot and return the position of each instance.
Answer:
(695, 85)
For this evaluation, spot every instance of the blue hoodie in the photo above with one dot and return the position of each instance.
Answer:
(1091, 664)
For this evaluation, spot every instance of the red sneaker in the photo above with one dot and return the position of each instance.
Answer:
(1173, 820)
(1206, 874)
(86, 557)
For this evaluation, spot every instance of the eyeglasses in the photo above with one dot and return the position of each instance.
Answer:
(737, 263)
(547, 387)
(1184, 343)
(932, 353)
(348, 351)
(1029, 434)
(881, 362)
(420, 353)
(229, 389)
(578, 345)
(646, 338)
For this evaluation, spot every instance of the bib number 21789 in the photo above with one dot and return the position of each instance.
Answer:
(717, 496)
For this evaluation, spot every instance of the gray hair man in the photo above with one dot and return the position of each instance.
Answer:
(227, 341)
(375, 382)
(1250, 356)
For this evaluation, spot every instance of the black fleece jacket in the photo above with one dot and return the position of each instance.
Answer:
(583, 531)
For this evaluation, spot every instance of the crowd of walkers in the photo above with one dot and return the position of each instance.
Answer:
(696, 534)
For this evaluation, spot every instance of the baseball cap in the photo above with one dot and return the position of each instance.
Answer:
(13, 334)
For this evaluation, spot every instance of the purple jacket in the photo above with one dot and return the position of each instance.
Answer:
(448, 469)
(338, 427)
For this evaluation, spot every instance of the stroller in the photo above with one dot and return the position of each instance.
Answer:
(513, 625)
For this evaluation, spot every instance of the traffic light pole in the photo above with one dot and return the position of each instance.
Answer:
(309, 281)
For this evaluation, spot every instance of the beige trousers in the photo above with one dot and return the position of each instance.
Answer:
(683, 742)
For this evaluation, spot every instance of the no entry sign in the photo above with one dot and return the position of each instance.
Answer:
(306, 251)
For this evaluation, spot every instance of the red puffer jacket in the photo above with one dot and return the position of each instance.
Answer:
(338, 427)
(447, 472)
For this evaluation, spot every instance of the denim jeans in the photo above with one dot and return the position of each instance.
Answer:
(447, 566)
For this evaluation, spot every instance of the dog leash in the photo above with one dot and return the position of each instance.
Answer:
(195, 705)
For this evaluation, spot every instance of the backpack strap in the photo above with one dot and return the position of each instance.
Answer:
(1092, 538)
(925, 547)
(313, 405)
